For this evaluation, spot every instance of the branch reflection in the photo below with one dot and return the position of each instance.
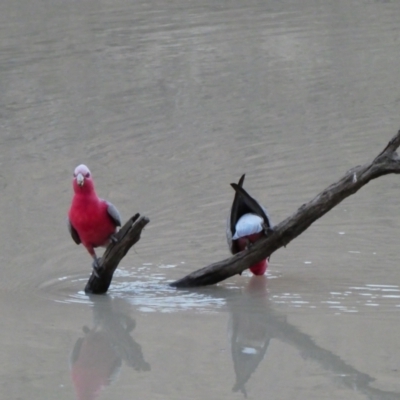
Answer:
(253, 323)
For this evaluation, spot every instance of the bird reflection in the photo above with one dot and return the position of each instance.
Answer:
(253, 323)
(249, 330)
(98, 355)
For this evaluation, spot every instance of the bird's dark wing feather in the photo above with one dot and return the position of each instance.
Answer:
(251, 204)
(234, 217)
(73, 232)
(114, 214)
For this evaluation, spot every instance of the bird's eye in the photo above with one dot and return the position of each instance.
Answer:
(87, 175)
(74, 175)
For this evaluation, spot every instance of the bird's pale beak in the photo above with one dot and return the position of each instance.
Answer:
(80, 179)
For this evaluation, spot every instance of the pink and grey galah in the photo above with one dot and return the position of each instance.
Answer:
(91, 221)
(248, 222)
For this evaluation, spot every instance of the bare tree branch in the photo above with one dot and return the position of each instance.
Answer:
(127, 236)
(387, 162)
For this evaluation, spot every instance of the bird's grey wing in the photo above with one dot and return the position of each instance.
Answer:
(233, 218)
(253, 204)
(73, 232)
(232, 244)
(114, 214)
(229, 235)
(267, 220)
(235, 208)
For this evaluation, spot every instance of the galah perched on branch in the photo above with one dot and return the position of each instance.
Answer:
(91, 221)
(248, 222)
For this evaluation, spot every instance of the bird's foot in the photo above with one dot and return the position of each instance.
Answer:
(268, 230)
(248, 244)
(96, 267)
(113, 238)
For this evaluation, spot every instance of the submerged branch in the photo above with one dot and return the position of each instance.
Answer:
(387, 162)
(127, 236)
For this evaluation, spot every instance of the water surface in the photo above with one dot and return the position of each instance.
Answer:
(168, 103)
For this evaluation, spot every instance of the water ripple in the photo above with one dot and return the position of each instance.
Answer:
(351, 300)
(146, 288)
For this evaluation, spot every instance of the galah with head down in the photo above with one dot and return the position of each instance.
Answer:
(248, 222)
(91, 221)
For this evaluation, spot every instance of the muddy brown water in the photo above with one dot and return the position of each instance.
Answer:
(167, 103)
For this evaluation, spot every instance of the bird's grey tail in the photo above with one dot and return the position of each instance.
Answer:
(252, 204)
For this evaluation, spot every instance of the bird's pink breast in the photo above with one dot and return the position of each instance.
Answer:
(91, 220)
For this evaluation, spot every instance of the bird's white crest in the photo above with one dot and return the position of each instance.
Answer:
(81, 169)
(248, 224)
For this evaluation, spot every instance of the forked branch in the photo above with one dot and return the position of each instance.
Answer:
(127, 236)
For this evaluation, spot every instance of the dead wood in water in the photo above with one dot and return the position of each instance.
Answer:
(387, 162)
(127, 236)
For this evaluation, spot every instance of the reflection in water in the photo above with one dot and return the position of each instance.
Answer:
(249, 330)
(253, 323)
(97, 357)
